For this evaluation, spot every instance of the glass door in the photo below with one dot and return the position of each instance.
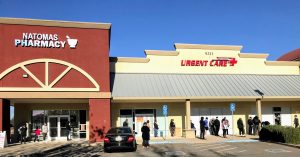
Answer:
(63, 126)
(58, 126)
(53, 126)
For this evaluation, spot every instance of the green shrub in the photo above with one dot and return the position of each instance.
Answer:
(279, 133)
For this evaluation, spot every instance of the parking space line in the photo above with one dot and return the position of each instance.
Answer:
(227, 149)
(242, 151)
(209, 145)
(213, 148)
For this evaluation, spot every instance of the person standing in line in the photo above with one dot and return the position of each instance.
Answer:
(256, 123)
(125, 123)
(240, 126)
(22, 130)
(250, 125)
(172, 127)
(206, 125)
(211, 126)
(148, 124)
(145, 135)
(296, 121)
(225, 125)
(217, 126)
(37, 134)
(202, 128)
(155, 128)
(193, 127)
(68, 128)
(44, 131)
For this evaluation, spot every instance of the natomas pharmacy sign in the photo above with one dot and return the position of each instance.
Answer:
(41, 40)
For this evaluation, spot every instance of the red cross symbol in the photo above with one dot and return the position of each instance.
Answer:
(232, 61)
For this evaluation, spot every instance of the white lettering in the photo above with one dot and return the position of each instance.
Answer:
(44, 41)
(37, 43)
(50, 37)
(17, 42)
(62, 43)
(25, 37)
(39, 37)
(55, 37)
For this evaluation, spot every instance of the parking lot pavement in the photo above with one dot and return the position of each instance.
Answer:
(258, 149)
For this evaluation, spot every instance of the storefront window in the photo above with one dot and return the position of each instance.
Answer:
(54, 112)
(126, 114)
(56, 117)
(38, 118)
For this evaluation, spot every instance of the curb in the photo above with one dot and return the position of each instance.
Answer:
(284, 144)
(289, 145)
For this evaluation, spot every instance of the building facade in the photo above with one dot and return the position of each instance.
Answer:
(56, 71)
(202, 81)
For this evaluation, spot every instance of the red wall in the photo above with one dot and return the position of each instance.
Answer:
(91, 54)
(99, 115)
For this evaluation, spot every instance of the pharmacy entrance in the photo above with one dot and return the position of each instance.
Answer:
(58, 126)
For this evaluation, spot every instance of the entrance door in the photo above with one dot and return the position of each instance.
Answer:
(57, 126)
(140, 119)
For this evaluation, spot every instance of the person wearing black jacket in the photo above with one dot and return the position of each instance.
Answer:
(193, 127)
(22, 131)
(68, 128)
(250, 125)
(296, 121)
(172, 127)
(202, 128)
(155, 128)
(217, 126)
(256, 123)
(145, 135)
(240, 125)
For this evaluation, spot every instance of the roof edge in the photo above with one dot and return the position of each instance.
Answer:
(54, 23)
(161, 53)
(282, 63)
(254, 55)
(208, 47)
(129, 59)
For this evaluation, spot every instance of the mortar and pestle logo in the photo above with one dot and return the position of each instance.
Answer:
(72, 42)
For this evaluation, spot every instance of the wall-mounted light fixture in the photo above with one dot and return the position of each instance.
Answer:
(25, 75)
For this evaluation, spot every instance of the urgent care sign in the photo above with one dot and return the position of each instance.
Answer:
(218, 62)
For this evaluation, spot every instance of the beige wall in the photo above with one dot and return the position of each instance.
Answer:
(177, 111)
(172, 64)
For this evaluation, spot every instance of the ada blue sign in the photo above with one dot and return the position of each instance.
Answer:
(232, 107)
(165, 110)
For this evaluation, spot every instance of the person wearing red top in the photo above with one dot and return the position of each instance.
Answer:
(37, 133)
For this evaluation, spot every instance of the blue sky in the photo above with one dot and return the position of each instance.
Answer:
(261, 26)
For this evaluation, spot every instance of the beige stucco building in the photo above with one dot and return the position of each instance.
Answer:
(203, 80)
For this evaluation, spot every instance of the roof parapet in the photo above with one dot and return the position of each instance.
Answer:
(161, 53)
(54, 23)
(253, 55)
(207, 47)
(282, 63)
(129, 59)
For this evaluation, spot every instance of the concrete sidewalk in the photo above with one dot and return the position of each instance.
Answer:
(209, 139)
(33, 147)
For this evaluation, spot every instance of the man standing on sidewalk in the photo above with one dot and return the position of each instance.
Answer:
(44, 131)
(155, 128)
(296, 121)
(217, 126)
(250, 124)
